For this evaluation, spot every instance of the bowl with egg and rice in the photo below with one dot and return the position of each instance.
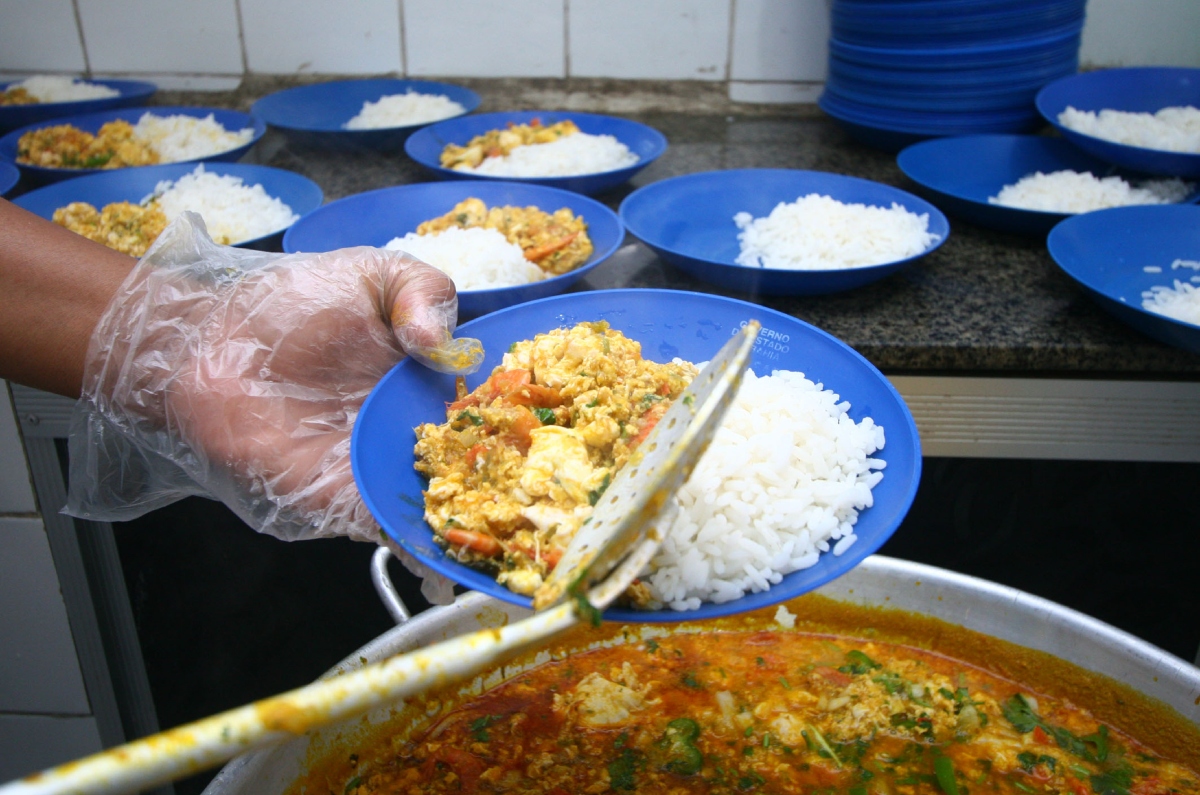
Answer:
(243, 204)
(374, 113)
(1141, 264)
(767, 514)
(184, 134)
(783, 231)
(55, 96)
(583, 152)
(1144, 119)
(1027, 183)
(493, 269)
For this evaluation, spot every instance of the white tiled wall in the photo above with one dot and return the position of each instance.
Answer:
(764, 49)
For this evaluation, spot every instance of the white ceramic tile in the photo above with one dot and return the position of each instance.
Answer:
(39, 36)
(29, 743)
(16, 488)
(780, 40)
(39, 670)
(169, 36)
(479, 38)
(1141, 33)
(649, 39)
(321, 36)
(775, 93)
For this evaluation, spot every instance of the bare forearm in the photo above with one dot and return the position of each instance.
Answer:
(54, 285)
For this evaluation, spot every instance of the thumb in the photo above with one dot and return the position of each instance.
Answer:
(423, 309)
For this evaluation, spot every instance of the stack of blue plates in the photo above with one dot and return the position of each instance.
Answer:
(901, 72)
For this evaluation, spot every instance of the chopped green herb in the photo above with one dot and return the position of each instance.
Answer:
(680, 741)
(545, 415)
(474, 419)
(943, 768)
(595, 494)
(858, 663)
(352, 784)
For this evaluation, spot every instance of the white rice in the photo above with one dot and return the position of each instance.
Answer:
(782, 482)
(1074, 192)
(1173, 129)
(818, 232)
(578, 153)
(232, 211)
(1181, 302)
(180, 137)
(474, 258)
(403, 110)
(53, 88)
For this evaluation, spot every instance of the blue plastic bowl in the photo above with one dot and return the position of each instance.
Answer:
(133, 92)
(425, 146)
(960, 174)
(1107, 253)
(891, 131)
(231, 120)
(950, 24)
(1006, 54)
(668, 324)
(10, 175)
(134, 184)
(1135, 90)
(314, 115)
(375, 217)
(688, 221)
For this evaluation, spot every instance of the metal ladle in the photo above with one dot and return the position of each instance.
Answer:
(603, 559)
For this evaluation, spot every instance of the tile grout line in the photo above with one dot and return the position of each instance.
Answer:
(566, 39)
(87, 62)
(237, 8)
(729, 44)
(403, 41)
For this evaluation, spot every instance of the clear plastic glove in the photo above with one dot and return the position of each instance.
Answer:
(237, 375)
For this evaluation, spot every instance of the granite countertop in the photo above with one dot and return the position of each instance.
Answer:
(984, 303)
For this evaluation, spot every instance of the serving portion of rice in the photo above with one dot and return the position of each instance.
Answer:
(179, 137)
(783, 481)
(474, 258)
(1173, 129)
(233, 211)
(1179, 302)
(403, 110)
(571, 155)
(55, 88)
(1069, 191)
(818, 232)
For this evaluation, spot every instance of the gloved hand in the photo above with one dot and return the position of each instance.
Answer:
(237, 375)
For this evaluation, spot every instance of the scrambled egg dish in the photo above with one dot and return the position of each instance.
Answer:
(519, 462)
(122, 226)
(498, 143)
(765, 712)
(556, 242)
(66, 146)
(17, 96)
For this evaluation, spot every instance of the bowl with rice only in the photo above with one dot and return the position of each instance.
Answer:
(583, 152)
(783, 231)
(374, 113)
(1143, 119)
(55, 96)
(1027, 183)
(243, 205)
(494, 265)
(1141, 264)
(767, 514)
(160, 135)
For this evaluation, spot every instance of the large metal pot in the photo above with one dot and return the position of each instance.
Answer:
(983, 606)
